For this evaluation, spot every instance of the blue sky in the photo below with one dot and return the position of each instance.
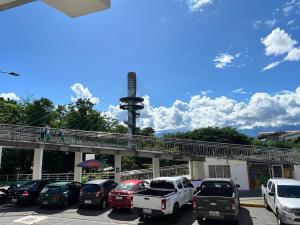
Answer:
(199, 62)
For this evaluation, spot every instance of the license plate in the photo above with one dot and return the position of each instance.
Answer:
(119, 198)
(147, 211)
(88, 202)
(214, 213)
(14, 200)
(45, 203)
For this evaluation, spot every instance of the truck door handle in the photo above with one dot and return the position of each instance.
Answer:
(146, 198)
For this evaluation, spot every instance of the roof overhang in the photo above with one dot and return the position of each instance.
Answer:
(7, 4)
(72, 8)
(75, 8)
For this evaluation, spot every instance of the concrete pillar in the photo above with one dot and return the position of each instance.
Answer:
(118, 168)
(1, 148)
(197, 169)
(156, 167)
(77, 170)
(37, 163)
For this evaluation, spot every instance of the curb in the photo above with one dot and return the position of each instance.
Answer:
(256, 205)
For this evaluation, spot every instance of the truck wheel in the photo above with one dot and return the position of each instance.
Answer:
(266, 204)
(279, 222)
(200, 220)
(175, 214)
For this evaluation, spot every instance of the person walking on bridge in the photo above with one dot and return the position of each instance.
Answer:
(61, 136)
(47, 133)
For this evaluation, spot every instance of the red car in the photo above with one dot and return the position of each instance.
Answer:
(121, 196)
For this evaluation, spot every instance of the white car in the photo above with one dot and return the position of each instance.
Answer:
(282, 196)
(165, 196)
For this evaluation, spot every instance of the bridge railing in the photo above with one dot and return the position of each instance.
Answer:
(142, 174)
(136, 142)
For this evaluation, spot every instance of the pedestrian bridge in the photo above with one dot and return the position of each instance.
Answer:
(78, 141)
(29, 137)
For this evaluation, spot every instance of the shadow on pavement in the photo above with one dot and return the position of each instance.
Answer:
(186, 218)
(123, 215)
(91, 211)
(244, 219)
(250, 194)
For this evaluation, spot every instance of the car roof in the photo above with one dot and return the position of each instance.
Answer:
(218, 179)
(132, 181)
(168, 178)
(286, 182)
(58, 184)
(97, 181)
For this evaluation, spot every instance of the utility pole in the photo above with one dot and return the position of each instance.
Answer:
(132, 103)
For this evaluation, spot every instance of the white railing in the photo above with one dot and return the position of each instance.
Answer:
(142, 174)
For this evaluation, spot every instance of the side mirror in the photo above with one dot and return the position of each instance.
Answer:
(192, 186)
(237, 186)
(176, 190)
(271, 193)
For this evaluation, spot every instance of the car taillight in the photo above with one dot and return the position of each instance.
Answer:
(25, 193)
(163, 204)
(194, 203)
(233, 204)
(57, 197)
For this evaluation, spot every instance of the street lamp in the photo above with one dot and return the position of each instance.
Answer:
(10, 73)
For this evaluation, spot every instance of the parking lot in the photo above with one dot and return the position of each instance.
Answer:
(11, 214)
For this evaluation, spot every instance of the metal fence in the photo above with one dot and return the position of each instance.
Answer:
(143, 174)
(169, 145)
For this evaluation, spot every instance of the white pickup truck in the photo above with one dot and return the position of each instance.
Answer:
(282, 196)
(165, 196)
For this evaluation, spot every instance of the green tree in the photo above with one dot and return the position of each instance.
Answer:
(214, 134)
(11, 112)
(40, 112)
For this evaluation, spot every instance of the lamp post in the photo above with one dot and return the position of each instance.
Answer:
(10, 73)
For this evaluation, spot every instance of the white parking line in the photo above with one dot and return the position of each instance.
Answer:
(31, 219)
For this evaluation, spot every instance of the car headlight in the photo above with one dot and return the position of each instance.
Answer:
(287, 209)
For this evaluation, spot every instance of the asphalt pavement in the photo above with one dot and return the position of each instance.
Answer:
(13, 215)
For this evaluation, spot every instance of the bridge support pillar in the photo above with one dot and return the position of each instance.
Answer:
(118, 168)
(1, 148)
(156, 167)
(37, 163)
(196, 169)
(77, 170)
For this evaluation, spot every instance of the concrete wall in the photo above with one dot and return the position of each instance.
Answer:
(238, 170)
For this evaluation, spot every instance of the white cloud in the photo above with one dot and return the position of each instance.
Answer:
(11, 96)
(206, 92)
(240, 91)
(83, 92)
(290, 22)
(257, 24)
(287, 10)
(261, 110)
(293, 55)
(278, 42)
(271, 23)
(223, 60)
(197, 5)
(271, 65)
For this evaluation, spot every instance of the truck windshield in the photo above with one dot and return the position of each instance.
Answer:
(215, 185)
(162, 184)
(288, 191)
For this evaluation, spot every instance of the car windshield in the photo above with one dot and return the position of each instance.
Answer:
(51, 190)
(215, 184)
(90, 188)
(30, 184)
(162, 184)
(288, 191)
(125, 187)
